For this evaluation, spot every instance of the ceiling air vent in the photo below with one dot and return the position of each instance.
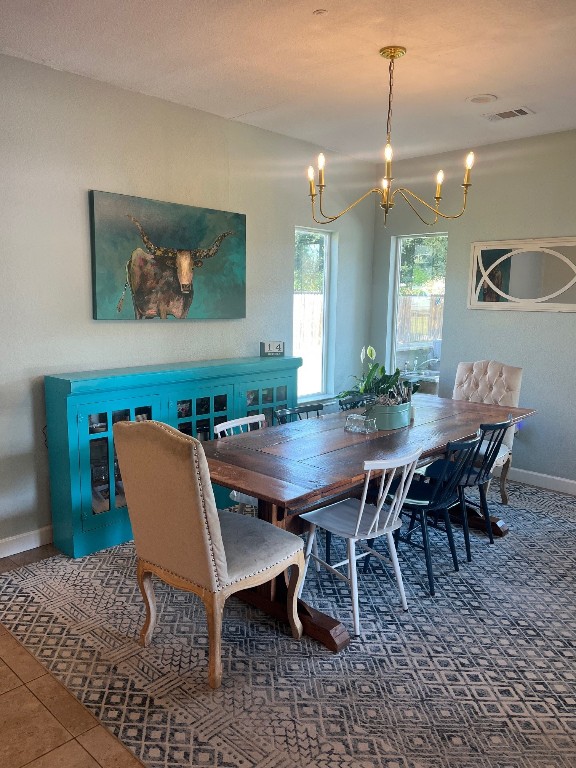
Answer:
(520, 112)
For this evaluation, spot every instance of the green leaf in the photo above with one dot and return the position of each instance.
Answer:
(376, 381)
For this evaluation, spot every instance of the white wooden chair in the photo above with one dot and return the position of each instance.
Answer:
(488, 381)
(357, 521)
(236, 427)
(182, 538)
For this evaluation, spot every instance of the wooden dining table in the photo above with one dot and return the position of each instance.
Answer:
(293, 468)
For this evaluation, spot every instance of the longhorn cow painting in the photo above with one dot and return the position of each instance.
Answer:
(157, 260)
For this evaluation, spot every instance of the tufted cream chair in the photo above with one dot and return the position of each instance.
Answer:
(181, 537)
(487, 381)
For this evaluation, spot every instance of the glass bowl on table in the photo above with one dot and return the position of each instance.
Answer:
(355, 422)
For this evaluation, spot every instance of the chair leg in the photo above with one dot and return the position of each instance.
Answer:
(370, 543)
(241, 509)
(353, 577)
(397, 572)
(296, 577)
(328, 544)
(214, 604)
(147, 589)
(484, 507)
(427, 553)
(315, 552)
(450, 535)
(465, 527)
(309, 546)
(503, 478)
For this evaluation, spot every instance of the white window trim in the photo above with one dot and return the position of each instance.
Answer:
(393, 285)
(327, 322)
(393, 288)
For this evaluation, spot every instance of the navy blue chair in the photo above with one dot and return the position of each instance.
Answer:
(286, 415)
(430, 497)
(478, 473)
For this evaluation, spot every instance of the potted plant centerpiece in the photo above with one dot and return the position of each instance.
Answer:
(390, 397)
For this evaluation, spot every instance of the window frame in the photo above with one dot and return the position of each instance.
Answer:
(329, 244)
(395, 259)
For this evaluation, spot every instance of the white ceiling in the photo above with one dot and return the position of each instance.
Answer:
(276, 65)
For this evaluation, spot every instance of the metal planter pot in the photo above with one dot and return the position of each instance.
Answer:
(389, 416)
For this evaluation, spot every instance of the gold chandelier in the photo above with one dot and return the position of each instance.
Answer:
(387, 192)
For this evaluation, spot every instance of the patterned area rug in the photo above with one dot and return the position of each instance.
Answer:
(481, 675)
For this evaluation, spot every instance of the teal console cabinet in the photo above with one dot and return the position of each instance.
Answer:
(86, 491)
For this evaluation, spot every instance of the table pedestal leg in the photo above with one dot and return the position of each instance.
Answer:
(477, 522)
(328, 631)
(271, 597)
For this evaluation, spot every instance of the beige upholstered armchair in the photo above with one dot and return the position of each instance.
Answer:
(184, 540)
(487, 381)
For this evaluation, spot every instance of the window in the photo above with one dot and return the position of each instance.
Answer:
(421, 273)
(312, 250)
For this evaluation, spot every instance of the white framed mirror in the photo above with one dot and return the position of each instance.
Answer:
(537, 275)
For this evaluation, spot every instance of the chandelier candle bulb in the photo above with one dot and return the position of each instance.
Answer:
(384, 192)
(321, 164)
(388, 158)
(469, 164)
(439, 180)
(311, 180)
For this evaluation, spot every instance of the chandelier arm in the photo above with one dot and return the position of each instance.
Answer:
(329, 219)
(326, 219)
(401, 191)
(404, 192)
(320, 221)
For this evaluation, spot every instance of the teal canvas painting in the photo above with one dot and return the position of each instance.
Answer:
(153, 260)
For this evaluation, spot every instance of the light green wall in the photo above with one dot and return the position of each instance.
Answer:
(521, 189)
(62, 135)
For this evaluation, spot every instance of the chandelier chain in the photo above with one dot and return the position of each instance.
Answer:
(389, 119)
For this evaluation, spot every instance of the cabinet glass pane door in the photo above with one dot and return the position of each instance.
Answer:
(99, 475)
(265, 398)
(101, 484)
(197, 414)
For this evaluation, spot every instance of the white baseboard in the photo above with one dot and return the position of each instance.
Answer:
(15, 544)
(550, 482)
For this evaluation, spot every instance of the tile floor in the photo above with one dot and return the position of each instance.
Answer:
(41, 724)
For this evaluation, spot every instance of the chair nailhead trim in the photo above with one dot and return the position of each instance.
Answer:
(173, 573)
(286, 559)
(190, 440)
